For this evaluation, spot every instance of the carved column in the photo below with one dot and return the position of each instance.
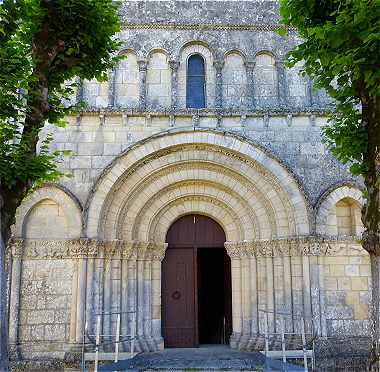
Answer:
(287, 284)
(148, 299)
(282, 90)
(250, 70)
(157, 257)
(233, 250)
(16, 248)
(132, 289)
(174, 65)
(246, 299)
(253, 296)
(219, 84)
(90, 295)
(143, 66)
(141, 299)
(125, 284)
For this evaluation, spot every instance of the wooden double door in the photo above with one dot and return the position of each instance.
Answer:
(196, 284)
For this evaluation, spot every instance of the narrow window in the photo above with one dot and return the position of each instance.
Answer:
(195, 84)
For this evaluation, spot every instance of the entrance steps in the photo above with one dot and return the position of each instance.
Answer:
(211, 358)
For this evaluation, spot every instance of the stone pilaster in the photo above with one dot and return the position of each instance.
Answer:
(174, 65)
(81, 299)
(143, 67)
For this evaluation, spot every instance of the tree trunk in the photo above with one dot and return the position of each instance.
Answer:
(374, 313)
(4, 358)
(371, 216)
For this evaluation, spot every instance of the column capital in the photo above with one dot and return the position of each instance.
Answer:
(143, 65)
(218, 64)
(250, 65)
(174, 65)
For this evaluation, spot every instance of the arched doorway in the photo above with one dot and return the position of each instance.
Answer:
(196, 284)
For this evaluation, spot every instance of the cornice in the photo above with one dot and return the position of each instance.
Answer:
(205, 27)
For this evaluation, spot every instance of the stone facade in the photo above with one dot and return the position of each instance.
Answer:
(252, 160)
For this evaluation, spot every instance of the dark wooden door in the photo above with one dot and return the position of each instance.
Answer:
(179, 277)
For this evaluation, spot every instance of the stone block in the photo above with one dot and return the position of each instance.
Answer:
(339, 312)
(83, 162)
(37, 332)
(55, 332)
(112, 148)
(359, 283)
(335, 298)
(101, 161)
(361, 311)
(41, 317)
(337, 270)
(365, 270)
(331, 284)
(352, 270)
(344, 283)
(336, 260)
(90, 148)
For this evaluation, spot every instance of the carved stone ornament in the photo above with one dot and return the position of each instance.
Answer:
(90, 248)
(295, 246)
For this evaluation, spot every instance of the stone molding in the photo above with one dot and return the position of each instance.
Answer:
(85, 248)
(296, 246)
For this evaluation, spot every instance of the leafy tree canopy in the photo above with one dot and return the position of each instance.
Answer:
(43, 44)
(340, 47)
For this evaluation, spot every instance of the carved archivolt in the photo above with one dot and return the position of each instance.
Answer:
(131, 185)
(118, 249)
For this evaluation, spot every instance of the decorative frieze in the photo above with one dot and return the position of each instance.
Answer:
(297, 246)
(82, 248)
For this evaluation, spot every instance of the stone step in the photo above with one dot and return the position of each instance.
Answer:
(214, 358)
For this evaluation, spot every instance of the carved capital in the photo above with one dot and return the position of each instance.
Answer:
(143, 65)
(174, 65)
(15, 246)
(218, 66)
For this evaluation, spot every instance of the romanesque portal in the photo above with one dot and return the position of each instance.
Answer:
(61, 281)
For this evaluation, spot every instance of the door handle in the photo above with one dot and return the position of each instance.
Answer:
(176, 295)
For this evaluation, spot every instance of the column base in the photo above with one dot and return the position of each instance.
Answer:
(234, 340)
(243, 342)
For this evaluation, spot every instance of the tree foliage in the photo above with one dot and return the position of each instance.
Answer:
(340, 43)
(340, 47)
(43, 45)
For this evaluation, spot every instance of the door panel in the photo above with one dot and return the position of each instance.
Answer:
(186, 237)
(178, 298)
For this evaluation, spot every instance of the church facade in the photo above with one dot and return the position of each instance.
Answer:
(203, 206)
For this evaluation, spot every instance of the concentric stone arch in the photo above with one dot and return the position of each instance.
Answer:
(251, 183)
